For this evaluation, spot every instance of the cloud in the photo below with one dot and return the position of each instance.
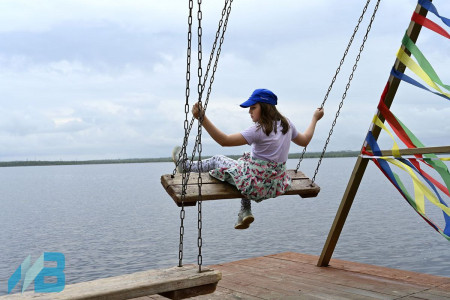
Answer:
(101, 79)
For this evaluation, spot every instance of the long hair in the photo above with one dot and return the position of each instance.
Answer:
(269, 117)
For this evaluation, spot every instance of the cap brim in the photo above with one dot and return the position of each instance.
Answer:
(248, 103)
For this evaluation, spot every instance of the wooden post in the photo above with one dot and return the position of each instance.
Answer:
(361, 164)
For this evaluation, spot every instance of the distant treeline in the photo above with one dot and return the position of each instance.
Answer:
(329, 154)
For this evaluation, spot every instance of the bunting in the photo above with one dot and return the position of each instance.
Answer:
(431, 8)
(427, 189)
(423, 68)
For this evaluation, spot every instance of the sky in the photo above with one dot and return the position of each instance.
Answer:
(102, 79)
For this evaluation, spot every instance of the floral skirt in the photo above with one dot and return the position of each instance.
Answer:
(256, 179)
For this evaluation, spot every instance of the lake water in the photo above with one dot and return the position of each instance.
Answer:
(116, 219)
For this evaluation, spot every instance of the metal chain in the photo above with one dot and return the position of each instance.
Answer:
(346, 89)
(219, 50)
(182, 158)
(226, 9)
(337, 71)
(186, 110)
(210, 85)
(199, 138)
(186, 171)
(187, 126)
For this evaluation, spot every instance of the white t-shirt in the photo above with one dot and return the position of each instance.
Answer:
(274, 147)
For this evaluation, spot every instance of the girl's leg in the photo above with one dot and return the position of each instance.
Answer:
(217, 161)
(246, 204)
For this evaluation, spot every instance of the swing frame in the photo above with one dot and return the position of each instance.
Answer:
(359, 169)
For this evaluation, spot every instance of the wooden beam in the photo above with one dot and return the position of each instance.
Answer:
(361, 164)
(191, 292)
(413, 151)
(342, 213)
(135, 285)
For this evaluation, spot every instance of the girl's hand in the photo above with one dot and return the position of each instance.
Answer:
(196, 110)
(318, 114)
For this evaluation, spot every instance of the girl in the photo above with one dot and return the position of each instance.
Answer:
(261, 174)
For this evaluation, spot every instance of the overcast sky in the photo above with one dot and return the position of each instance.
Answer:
(106, 79)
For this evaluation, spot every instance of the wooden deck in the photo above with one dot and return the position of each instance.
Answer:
(295, 276)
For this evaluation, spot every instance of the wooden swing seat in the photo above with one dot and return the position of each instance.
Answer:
(214, 189)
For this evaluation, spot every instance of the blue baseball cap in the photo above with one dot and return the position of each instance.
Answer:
(261, 95)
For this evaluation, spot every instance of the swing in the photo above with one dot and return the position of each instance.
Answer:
(186, 192)
(189, 189)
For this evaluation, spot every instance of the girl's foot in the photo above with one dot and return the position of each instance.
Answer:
(175, 155)
(245, 218)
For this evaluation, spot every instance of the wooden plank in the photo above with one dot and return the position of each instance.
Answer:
(433, 294)
(354, 282)
(209, 192)
(239, 283)
(132, 285)
(214, 189)
(167, 180)
(227, 294)
(361, 164)
(190, 292)
(224, 190)
(424, 150)
(424, 280)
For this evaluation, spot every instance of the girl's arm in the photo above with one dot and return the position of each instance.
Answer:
(224, 140)
(303, 139)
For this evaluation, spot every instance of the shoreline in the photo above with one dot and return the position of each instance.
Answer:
(32, 163)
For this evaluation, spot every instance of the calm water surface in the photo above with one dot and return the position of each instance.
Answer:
(116, 219)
